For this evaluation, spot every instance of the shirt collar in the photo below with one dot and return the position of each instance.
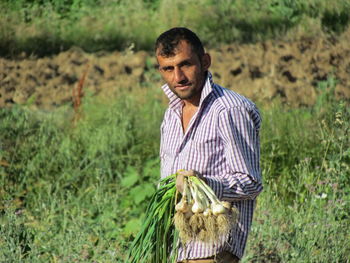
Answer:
(175, 102)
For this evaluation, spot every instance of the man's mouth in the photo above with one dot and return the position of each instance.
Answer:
(183, 87)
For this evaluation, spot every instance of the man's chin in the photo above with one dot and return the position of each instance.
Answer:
(184, 96)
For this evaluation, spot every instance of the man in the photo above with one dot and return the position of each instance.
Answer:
(212, 131)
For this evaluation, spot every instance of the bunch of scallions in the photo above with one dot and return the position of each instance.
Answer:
(199, 215)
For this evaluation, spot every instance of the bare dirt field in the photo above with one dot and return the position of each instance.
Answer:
(263, 71)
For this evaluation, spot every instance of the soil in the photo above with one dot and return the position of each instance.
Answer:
(288, 70)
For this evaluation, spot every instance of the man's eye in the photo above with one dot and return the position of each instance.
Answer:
(186, 64)
(168, 69)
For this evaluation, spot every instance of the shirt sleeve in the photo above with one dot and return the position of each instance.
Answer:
(239, 131)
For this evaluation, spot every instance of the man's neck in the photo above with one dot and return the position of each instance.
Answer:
(192, 103)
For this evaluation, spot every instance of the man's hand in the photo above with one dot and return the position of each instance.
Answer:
(181, 177)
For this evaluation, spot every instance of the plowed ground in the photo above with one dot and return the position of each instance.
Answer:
(290, 71)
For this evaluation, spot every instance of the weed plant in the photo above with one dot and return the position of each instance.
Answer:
(67, 193)
(78, 192)
(46, 27)
(303, 213)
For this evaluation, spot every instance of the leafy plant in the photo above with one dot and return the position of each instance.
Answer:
(47, 27)
(157, 239)
(65, 193)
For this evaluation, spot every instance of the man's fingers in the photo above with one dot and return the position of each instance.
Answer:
(180, 182)
(186, 172)
(198, 175)
(181, 177)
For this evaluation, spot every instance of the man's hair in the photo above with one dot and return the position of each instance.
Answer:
(167, 42)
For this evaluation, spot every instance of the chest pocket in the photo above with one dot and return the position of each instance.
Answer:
(205, 147)
(205, 140)
(206, 155)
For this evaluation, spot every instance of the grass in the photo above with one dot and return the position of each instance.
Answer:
(308, 189)
(77, 193)
(66, 194)
(47, 27)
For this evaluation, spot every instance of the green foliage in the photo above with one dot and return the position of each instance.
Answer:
(307, 181)
(157, 238)
(46, 27)
(79, 192)
(67, 184)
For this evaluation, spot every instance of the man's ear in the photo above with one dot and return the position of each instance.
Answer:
(206, 61)
(157, 66)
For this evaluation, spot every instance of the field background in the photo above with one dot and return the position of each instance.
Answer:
(75, 181)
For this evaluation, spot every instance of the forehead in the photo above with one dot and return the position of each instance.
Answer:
(183, 51)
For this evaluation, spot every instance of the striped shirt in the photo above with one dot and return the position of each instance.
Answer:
(222, 143)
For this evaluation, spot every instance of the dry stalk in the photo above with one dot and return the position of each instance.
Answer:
(4, 163)
(78, 95)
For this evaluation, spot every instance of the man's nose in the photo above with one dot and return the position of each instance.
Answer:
(179, 75)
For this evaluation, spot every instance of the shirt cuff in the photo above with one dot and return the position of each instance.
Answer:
(216, 185)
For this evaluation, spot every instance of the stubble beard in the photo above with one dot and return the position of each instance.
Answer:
(185, 95)
(192, 92)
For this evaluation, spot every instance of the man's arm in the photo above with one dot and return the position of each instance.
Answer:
(239, 130)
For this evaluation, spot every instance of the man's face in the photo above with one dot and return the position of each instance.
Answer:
(184, 72)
